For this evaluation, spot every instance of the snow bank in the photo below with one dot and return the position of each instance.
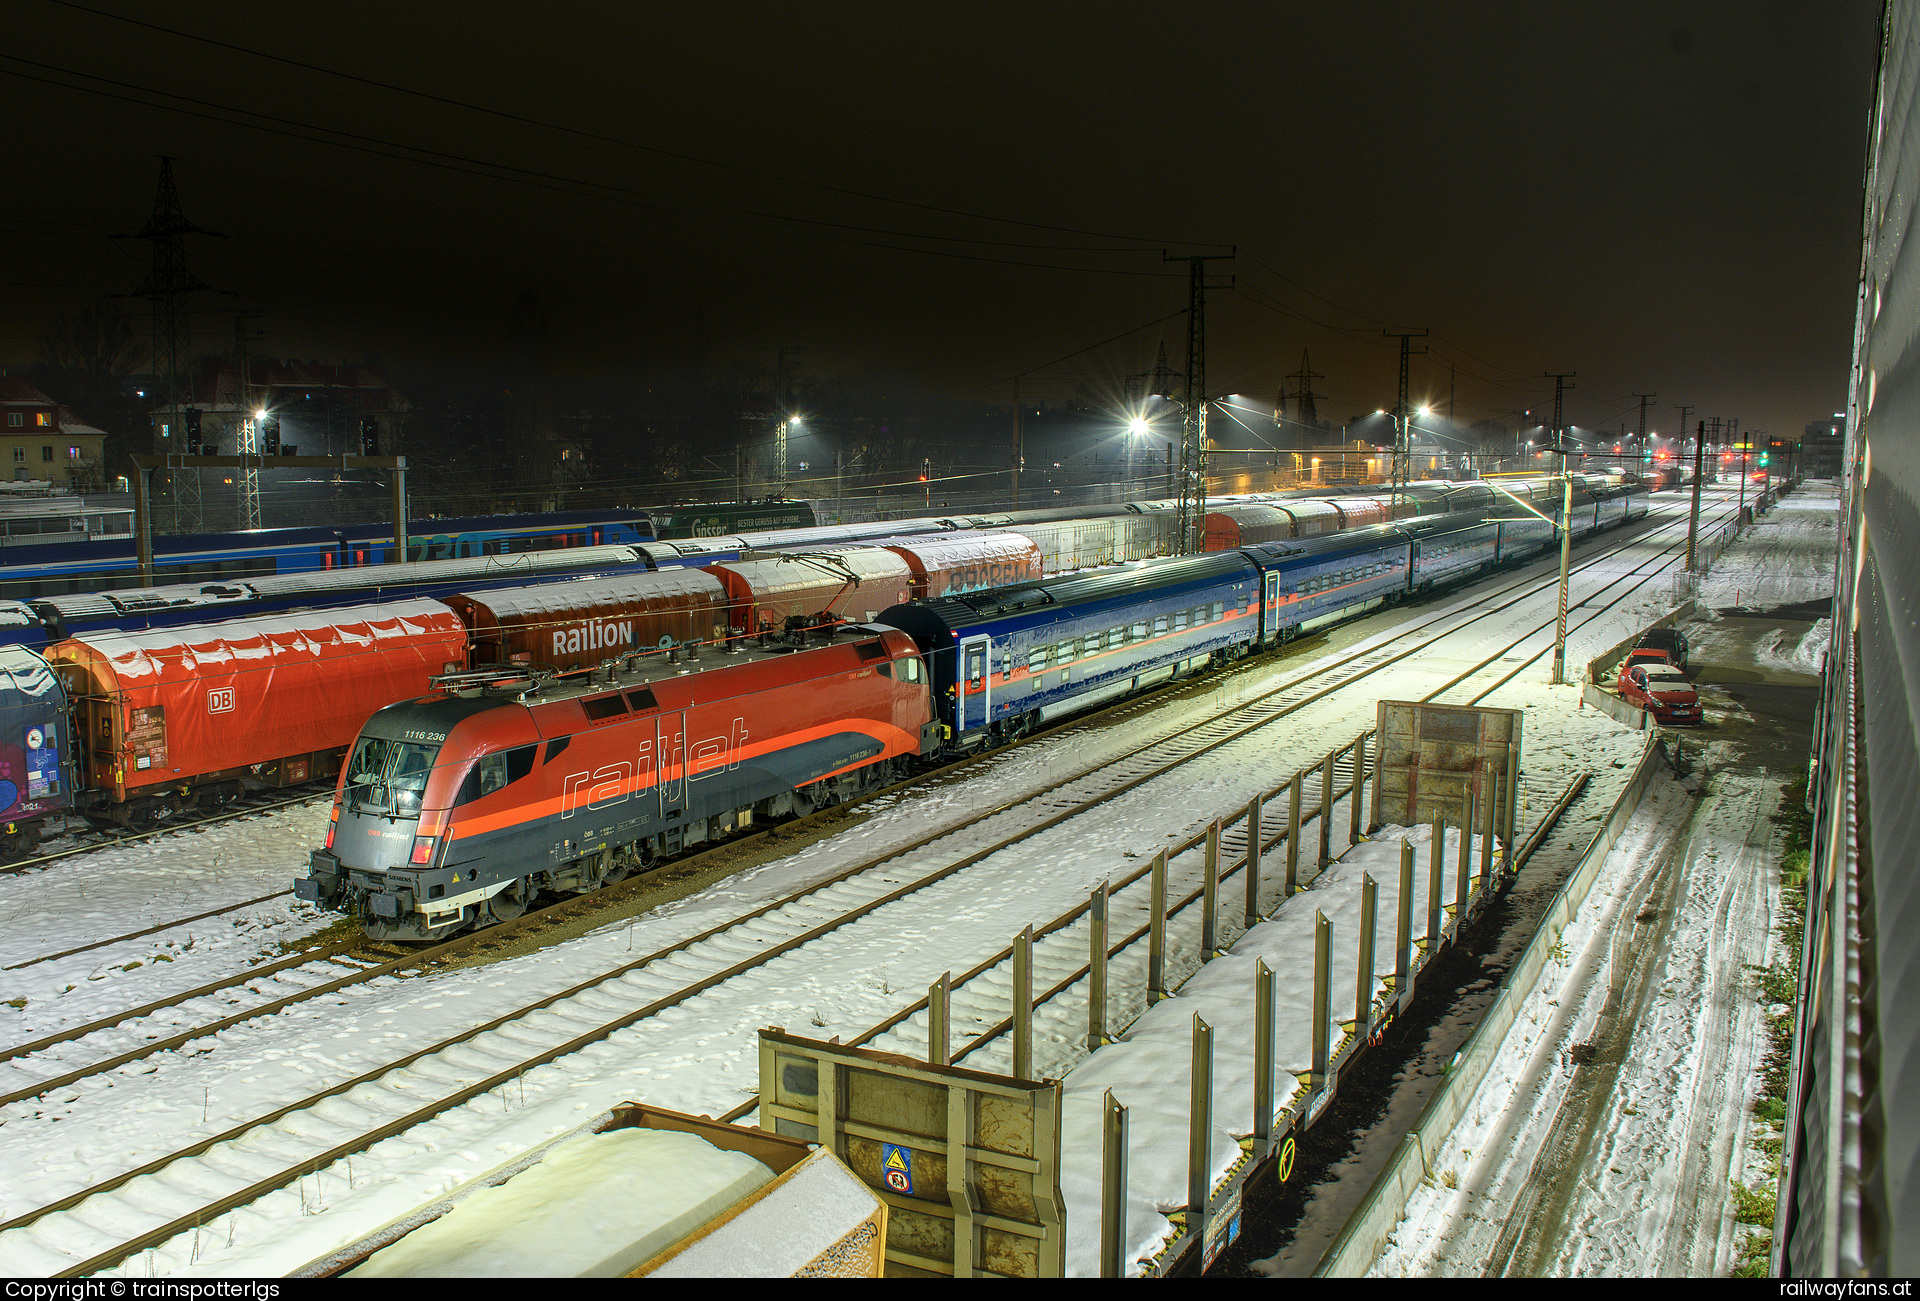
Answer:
(593, 1208)
(817, 1206)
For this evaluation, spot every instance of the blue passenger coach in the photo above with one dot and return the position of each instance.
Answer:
(1005, 660)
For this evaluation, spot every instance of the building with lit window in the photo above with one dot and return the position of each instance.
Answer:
(40, 440)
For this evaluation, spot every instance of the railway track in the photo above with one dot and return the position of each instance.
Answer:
(802, 918)
(95, 838)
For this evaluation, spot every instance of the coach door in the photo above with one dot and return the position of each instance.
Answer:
(973, 704)
(670, 744)
(1270, 621)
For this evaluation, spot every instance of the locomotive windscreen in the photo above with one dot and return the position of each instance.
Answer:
(389, 776)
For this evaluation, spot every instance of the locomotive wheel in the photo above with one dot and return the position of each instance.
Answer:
(619, 867)
(510, 902)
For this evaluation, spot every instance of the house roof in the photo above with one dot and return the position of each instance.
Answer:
(17, 390)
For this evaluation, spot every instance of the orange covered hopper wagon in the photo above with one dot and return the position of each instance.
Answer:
(580, 624)
(950, 563)
(205, 710)
(806, 589)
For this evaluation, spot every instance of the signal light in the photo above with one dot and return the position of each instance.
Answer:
(369, 436)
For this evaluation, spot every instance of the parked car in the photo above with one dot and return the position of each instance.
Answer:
(1661, 690)
(1662, 645)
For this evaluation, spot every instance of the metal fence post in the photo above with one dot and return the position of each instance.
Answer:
(1326, 809)
(1434, 866)
(939, 1019)
(1113, 1188)
(1363, 981)
(1200, 1134)
(1403, 933)
(1097, 969)
(1463, 887)
(1468, 819)
(1510, 803)
(1378, 746)
(1322, 996)
(1293, 836)
(1252, 917)
(1023, 1005)
(1157, 931)
(1486, 841)
(1210, 896)
(1263, 1034)
(1359, 778)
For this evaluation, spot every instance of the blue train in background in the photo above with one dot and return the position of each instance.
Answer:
(106, 564)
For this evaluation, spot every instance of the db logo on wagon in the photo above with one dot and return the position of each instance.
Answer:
(220, 701)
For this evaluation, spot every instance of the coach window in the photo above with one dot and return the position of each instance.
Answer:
(1159, 624)
(1219, 610)
(1139, 632)
(1179, 620)
(1037, 660)
(1063, 652)
(1116, 638)
(1090, 645)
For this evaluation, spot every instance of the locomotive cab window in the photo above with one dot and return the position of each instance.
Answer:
(495, 772)
(388, 776)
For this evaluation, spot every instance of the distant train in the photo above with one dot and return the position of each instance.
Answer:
(459, 807)
(107, 564)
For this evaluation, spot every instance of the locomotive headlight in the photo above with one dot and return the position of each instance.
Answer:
(422, 851)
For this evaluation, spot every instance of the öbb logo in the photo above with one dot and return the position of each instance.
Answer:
(220, 700)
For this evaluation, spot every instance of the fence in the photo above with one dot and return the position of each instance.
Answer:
(1366, 1232)
(1265, 853)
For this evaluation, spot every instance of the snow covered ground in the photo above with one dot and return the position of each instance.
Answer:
(1606, 1135)
(698, 1057)
(1603, 1136)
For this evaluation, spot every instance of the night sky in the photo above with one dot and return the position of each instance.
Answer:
(1658, 197)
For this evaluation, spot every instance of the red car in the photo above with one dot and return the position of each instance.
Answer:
(1661, 690)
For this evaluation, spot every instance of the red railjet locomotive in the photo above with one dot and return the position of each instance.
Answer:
(458, 808)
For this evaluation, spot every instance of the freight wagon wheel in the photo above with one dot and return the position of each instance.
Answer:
(510, 902)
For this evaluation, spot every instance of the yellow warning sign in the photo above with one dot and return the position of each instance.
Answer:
(895, 1161)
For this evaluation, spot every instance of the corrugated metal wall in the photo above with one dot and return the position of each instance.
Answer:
(1850, 1201)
